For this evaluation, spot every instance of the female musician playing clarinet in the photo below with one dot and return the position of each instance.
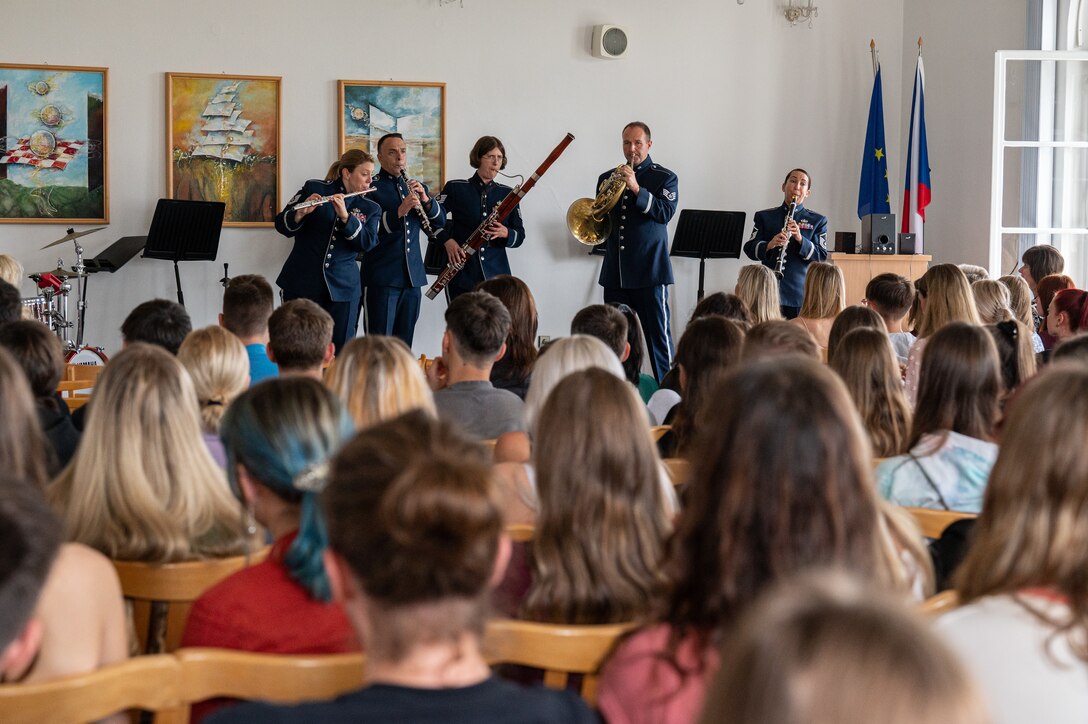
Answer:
(328, 237)
(469, 202)
(803, 240)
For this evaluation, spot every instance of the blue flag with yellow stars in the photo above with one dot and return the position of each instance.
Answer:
(873, 194)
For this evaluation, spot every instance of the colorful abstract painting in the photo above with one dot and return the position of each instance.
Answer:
(369, 109)
(53, 144)
(223, 137)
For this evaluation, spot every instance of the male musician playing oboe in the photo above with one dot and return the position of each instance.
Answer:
(393, 270)
(468, 202)
(804, 239)
(328, 238)
(637, 271)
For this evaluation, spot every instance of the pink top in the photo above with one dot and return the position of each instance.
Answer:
(640, 683)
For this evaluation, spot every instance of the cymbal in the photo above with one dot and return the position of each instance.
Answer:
(72, 234)
(59, 272)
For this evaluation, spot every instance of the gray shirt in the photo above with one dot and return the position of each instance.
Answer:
(479, 409)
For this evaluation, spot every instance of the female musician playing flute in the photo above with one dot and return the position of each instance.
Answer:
(469, 202)
(328, 237)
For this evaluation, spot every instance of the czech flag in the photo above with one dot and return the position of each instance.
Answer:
(873, 194)
(916, 191)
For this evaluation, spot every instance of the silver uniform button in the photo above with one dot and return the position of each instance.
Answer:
(326, 265)
(622, 248)
(328, 256)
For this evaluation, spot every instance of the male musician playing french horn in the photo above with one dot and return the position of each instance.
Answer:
(804, 239)
(637, 271)
(393, 270)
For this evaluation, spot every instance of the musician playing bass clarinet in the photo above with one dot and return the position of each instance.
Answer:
(469, 202)
(393, 270)
(328, 237)
(804, 240)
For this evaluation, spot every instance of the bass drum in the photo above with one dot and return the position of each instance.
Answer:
(91, 356)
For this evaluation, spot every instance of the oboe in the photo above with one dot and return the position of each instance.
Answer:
(327, 199)
(424, 222)
(780, 263)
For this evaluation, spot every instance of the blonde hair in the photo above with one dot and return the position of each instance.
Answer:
(1019, 299)
(825, 291)
(947, 298)
(218, 364)
(866, 363)
(142, 485)
(377, 379)
(758, 289)
(562, 357)
(11, 271)
(992, 301)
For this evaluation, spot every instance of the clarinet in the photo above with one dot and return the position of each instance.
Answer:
(424, 222)
(780, 263)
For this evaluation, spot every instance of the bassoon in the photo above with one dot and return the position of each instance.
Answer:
(478, 238)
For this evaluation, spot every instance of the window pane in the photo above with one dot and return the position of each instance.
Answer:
(1045, 187)
(1056, 87)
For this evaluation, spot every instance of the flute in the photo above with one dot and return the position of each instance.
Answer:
(326, 199)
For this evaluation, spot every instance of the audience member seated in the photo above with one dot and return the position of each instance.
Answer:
(11, 271)
(38, 352)
(1021, 628)
(1046, 289)
(944, 296)
(559, 359)
(992, 300)
(142, 485)
(300, 338)
(767, 340)
(74, 639)
(1067, 314)
(865, 361)
(709, 348)
(725, 305)
(825, 298)
(856, 316)
(637, 353)
(514, 370)
(247, 304)
(415, 542)
(279, 436)
(476, 327)
(891, 296)
(216, 361)
(606, 323)
(1021, 304)
(1015, 355)
(825, 649)
(782, 483)
(974, 273)
(11, 304)
(377, 378)
(1039, 262)
(950, 451)
(603, 515)
(1075, 348)
(757, 287)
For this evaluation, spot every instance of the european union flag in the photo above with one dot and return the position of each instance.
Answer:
(873, 194)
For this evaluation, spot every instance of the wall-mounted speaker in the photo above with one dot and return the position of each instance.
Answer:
(609, 41)
(878, 234)
(908, 243)
(846, 242)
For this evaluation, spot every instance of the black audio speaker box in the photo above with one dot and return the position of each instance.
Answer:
(908, 243)
(878, 234)
(846, 242)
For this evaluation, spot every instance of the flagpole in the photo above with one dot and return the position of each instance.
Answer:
(919, 46)
(872, 51)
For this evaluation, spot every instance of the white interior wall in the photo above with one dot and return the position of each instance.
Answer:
(734, 95)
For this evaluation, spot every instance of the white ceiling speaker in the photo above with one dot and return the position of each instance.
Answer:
(609, 41)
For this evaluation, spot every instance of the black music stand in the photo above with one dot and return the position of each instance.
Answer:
(115, 256)
(706, 235)
(184, 231)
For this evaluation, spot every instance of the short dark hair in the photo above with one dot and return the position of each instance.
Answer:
(247, 305)
(383, 139)
(890, 294)
(777, 337)
(1072, 348)
(38, 352)
(603, 322)
(299, 334)
(483, 146)
(11, 304)
(790, 173)
(725, 305)
(30, 536)
(643, 126)
(1043, 260)
(159, 322)
(478, 323)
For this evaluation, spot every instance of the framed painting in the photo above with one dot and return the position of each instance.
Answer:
(369, 109)
(53, 144)
(223, 143)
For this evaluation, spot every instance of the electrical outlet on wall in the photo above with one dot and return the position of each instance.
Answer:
(542, 340)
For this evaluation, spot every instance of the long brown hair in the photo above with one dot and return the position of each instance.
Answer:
(866, 363)
(948, 298)
(22, 446)
(856, 316)
(825, 291)
(709, 348)
(517, 363)
(960, 384)
(1032, 532)
(1045, 289)
(602, 524)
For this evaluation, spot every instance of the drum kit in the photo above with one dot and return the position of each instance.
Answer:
(50, 307)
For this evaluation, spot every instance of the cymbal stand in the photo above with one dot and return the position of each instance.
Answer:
(81, 293)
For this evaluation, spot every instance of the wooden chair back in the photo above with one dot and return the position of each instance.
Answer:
(658, 431)
(279, 678)
(556, 649)
(149, 683)
(78, 382)
(168, 590)
(942, 602)
(679, 470)
(933, 522)
(520, 532)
